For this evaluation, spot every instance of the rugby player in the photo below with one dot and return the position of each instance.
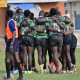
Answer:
(33, 68)
(54, 32)
(26, 30)
(66, 48)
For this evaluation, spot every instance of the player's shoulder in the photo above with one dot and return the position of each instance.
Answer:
(29, 20)
(49, 19)
(11, 21)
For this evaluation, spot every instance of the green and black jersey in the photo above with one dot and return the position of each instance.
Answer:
(67, 38)
(41, 26)
(18, 18)
(34, 32)
(26, 24)
(54, 25)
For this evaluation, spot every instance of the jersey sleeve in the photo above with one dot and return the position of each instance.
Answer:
(20, 20)
(47, 24)
(62, 18)
(12, 26)
(48, 19)
(31, 23)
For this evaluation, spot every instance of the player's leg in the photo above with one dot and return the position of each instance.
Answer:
(50, 66)
(21, 56)
(72, 54)
(33, 68)
(25, 57)
(44, 44)
(44, 51)
(30, 50)
(16, 49)
(19, 66)
(50, 55)
(55, 58)
(59, 53)
(51, 44)
(8, 57)
(60, 43)
(64, 61)
(39, 49)
(30, 44)
(40, 59)
(12, 60)
(67, 52)
(57, 48)
(33, 60)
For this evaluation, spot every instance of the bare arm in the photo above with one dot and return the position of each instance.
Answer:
(61, 25)
(55, 19)
(38, 30)
(28, 31)
(70, 32)
(54, 29)
(13, 39)
(41, 20)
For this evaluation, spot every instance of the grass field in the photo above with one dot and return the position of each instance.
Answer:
(36, 76)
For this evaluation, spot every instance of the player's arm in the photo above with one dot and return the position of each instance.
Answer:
(13, 37)
(54, 29)
(41, 20)
(38, 30)
(20, 20)
(60, 25)
(33, 27)
(26, 32)
(70, 32)
(12, 28)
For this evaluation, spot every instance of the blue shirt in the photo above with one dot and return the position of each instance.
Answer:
(12, 25)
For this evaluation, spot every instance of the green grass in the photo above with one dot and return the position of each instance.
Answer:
(47, 76)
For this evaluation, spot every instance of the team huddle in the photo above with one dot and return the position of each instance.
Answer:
(25, 33)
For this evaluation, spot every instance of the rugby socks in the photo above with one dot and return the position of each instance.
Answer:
(25, 67)
(44, 66)
(52, 63)
(29, 68)
(22, 64)
(8, 69)
(57, 68)
(33, 62)
(35, 69)
(20, 69)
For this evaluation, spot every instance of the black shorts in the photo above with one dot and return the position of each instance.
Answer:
(56, 40)
(42, 42)
(15, 46)
(27, 40)
(66, 40)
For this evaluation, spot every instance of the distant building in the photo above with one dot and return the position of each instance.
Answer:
(74, 7)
